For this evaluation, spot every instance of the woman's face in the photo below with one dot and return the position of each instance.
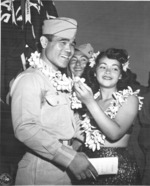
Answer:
(108, 72)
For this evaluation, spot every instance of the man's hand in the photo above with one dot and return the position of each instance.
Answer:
(82, 168)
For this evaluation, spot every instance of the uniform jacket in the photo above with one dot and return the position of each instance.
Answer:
(42, 120)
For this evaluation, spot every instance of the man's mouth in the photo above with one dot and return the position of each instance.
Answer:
(77, 69)
(65, 56)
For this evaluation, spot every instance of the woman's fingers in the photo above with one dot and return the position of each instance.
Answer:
(82, 86)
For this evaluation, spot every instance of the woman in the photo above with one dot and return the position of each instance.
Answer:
(112, 110)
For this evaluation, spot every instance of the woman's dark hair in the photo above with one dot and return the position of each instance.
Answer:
(121, 56)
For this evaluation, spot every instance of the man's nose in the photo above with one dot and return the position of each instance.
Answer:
(78, 62)
(68, 47)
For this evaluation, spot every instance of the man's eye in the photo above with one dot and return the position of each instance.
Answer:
(84, 59)
(63, 42)
(73, 61)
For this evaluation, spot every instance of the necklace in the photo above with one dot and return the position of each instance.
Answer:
(94, 137)
(60, 81)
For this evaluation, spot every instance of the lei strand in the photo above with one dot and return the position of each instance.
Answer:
(60, 81)
(94, 138)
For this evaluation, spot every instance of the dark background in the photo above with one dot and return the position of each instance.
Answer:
(122, 24)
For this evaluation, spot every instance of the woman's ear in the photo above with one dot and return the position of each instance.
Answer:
(43, 41)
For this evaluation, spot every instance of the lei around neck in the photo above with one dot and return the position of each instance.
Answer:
(60, 81)
(94, 138)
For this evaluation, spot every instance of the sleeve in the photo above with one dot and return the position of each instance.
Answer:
(26, 110)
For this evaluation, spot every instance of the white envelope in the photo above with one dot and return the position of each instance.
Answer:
(107, 165)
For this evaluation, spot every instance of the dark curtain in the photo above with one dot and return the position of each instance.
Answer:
(21, 25)
(20, 33)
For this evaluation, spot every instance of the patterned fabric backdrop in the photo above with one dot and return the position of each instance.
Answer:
(21, 22)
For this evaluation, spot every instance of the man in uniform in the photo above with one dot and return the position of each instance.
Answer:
(41, 113)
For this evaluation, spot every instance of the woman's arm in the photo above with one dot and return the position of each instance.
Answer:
(113, 129)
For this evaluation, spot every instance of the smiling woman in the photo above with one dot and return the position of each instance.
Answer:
(105, 123)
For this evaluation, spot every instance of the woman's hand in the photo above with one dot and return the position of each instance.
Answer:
(83, 92)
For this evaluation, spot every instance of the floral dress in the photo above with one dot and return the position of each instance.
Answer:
(128, 172)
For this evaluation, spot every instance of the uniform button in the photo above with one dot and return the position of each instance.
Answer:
(57, 102)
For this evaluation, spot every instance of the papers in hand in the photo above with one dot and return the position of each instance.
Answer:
(107, 165)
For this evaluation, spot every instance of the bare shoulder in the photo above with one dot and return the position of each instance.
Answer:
(128, 111)
(132, 98)
(132, 102)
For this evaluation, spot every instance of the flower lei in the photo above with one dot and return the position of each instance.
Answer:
(75, 102)
(119, 98)
(95, 138)
(58, 80)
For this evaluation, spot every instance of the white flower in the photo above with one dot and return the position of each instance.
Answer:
(94, 138)
(59, 80)
(34, 59)
(125, 66)
(76, 79)
(93, 58)
(75, 102)
(96, 95)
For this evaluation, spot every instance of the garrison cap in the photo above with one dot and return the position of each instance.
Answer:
(61, 26)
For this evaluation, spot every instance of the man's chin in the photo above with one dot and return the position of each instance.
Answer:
(63, 65)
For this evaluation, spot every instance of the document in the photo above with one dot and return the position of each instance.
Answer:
(107, 165)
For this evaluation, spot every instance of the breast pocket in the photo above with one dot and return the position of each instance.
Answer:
(56, 110)
(56, 100)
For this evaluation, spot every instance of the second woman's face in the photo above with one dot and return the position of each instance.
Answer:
(108, 72)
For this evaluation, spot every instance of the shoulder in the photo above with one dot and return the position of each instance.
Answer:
(132, 101)
(30, 73)
(131, 97)
(124, 101)
(29, 78)
(129, 107)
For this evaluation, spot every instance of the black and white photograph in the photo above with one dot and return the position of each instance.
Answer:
(75, 92)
